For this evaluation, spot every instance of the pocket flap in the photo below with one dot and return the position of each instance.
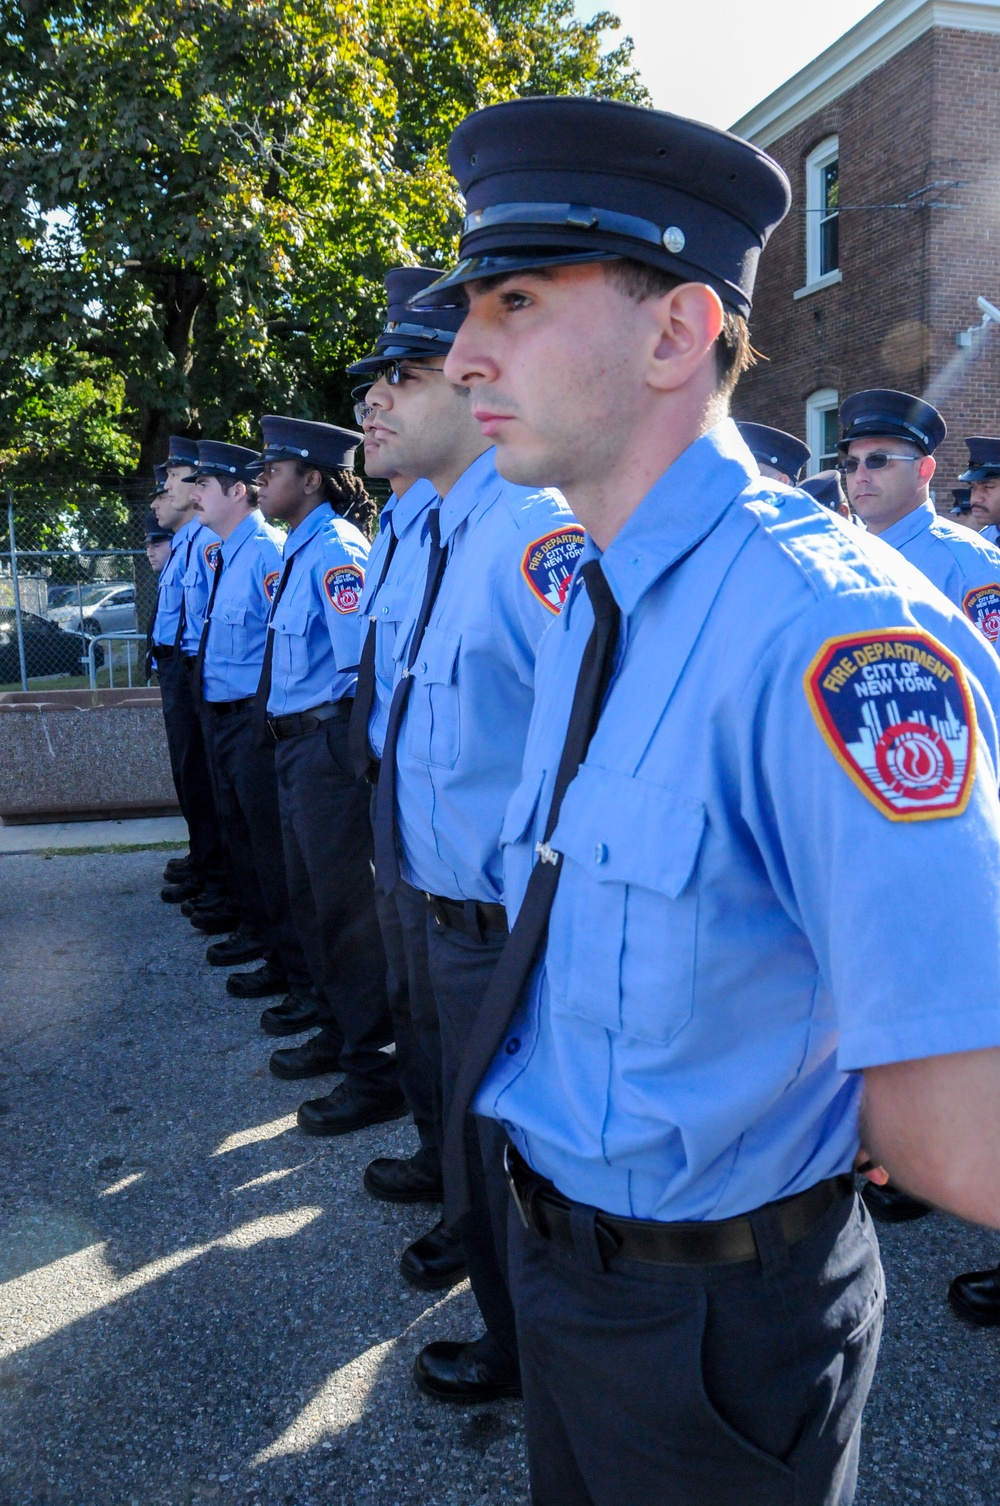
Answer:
(521, 808)
(435, 663)
(295, 622)
(625, 831)
(231, 612)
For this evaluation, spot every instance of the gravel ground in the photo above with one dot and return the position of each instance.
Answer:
(199, 1304)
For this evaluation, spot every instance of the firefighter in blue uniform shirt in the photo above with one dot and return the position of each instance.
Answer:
(887, 457)
(245, 573)
(982, 476)
(779, 456)
(398, 562)
(745, 711)
(204, 873)
(498, 560)
(304, 700)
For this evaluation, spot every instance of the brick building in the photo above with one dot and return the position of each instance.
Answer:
(891, 139)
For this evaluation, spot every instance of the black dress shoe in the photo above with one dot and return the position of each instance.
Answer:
(294, 1014)
(178, 869)
(891, 1205)
(215, 922)
(176, 894)
(353, 1104)
(417, 1179)
(244, 945)
(319, 1054)
(260, 984)
(454, 1372)
(435, 1261)
(976, 1297)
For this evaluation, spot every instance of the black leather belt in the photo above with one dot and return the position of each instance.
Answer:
(712, 1242)
(298, 723)
(471, 916)
(162, 651)
(230, 708)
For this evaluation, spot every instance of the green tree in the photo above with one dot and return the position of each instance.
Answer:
(200, 197)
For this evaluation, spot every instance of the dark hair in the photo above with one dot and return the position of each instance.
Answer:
(346, 494)
(733, 352)
(228, 482)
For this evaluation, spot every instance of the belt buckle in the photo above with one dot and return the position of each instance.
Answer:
(509, 1175)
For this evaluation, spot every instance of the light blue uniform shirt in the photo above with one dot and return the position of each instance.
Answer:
(511, 552)
(170, 586)
(748, 912)
(991, 533)
(962, 564)
(234, 650)
(406, 518)
(199, 572)
(315, 656)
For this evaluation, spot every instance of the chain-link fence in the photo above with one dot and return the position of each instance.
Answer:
(76, 588)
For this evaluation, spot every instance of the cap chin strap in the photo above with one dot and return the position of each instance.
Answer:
(422, 332)
(575, 217)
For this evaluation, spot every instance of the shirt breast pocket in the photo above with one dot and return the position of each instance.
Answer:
(388, 613)
(230, 623)
(629, 901)
(292, 641)
(433, 729)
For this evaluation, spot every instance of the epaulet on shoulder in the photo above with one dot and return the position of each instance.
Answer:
(534, 508)
(829, 554)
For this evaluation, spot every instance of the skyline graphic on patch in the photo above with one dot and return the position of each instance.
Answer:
(344, 585)
(212, 555)
(982, 607)
(271, 580)
(896, 711)
(549, 562)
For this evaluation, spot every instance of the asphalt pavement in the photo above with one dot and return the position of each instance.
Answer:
(199, 1304)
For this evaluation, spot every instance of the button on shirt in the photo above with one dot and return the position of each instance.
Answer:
(199, 559)
(315, 656)
(406, 518)
(738, 926)
(234, 650)
(962, 564)
(511, 553)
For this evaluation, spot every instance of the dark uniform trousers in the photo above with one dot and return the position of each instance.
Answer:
(247, 800)
(328, 860)
(189, 767)
(461, 965)
(683, 1385)
(402, 918)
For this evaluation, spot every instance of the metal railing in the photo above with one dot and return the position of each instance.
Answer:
(136, 659)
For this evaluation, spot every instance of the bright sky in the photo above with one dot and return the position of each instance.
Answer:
(714, 59)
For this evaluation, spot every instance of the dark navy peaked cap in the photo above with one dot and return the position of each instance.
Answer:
(825, 487)
(323, 445)
(963, 500)
(411, 333)
(881, 413)
(159, 481)
(182, 451)
(232, 461)
(984, 459)
(773, 447)
(552, 181)
(154, 532)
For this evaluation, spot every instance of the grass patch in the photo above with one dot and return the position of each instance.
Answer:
(76, 852)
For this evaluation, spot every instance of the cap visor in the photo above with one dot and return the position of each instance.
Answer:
(476, 268)
(379, 359)
(980, 473)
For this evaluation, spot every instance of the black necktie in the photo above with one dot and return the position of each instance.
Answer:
(386, 860)
(364, 694)
(199, 663)
(259, 716)
(527, 938)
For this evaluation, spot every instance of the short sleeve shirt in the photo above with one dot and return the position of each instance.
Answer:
(234, 649)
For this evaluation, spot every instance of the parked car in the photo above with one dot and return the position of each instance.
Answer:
(107, 608)
(47, 649)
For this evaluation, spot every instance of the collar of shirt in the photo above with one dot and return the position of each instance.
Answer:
(240, 534)
(308, 528)
(186, 531)
(473, 486)
(407, 508)
(678, 511)
(909, 526)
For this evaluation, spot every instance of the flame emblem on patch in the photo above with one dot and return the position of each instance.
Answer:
(344, 585)
(982, 607)
(549, 562)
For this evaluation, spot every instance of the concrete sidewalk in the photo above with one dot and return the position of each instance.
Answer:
(92, 836)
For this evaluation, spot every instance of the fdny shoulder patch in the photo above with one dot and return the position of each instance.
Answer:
(982, 607)
(271, 580)
(212, 556)
(896, 711)
(344, 585)
(549, 562)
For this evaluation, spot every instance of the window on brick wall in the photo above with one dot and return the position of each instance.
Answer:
(822, 211)
(822, 430)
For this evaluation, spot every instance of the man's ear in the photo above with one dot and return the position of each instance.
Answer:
(689, 321)
(926, 467)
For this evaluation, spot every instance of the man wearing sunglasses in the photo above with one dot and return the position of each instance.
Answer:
(888, 463)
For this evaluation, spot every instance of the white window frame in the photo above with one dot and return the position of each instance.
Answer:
(817, 404)
(819, 158)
